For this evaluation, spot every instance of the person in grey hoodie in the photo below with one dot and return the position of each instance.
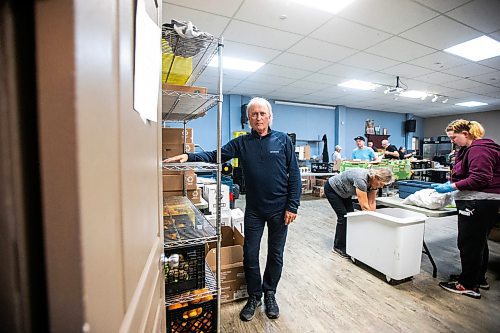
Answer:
(476, 176)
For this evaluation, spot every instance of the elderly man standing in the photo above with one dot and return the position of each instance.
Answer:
(273, 187)
(390, 151)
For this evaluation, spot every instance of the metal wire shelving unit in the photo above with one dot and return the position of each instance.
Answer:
(182, 107)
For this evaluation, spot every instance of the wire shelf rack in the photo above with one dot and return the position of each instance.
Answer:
(184, 224)
(188, 166)
(182, 106)
(210, 284)
(200, 50)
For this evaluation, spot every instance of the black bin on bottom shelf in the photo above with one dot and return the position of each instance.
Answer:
(200, 317)
(189, 274)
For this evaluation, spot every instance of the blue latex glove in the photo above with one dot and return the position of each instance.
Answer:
(443, 188)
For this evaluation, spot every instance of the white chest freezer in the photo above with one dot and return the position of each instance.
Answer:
(388, 240)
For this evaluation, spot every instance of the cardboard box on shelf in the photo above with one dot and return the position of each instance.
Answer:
(193, 195)
(186, 89)
(233, 282)
(170, 135)
(209, 191)
(173, 149)
(237, 219)
(174, 182)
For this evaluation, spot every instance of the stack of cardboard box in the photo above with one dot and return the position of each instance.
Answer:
(233, 282)
(176, 141)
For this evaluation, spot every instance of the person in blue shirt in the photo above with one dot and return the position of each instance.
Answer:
(361, 152)
(273, 188)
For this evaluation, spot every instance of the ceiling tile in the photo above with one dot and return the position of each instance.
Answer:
(267, 78)
(213, 24)
(248, 52)
(441, 33)
(309, 85)
(399, 49)
(437, 78)
(469, 70)
(486, 89)
(392, 16)
(267, 13)
(369, 61)
(489, 78)
(325, 79)
(380, 78)
(322, 50)
(300, 62)
(283, 71)
(439, 61)
(482, 15)
(359, 36)
(462, 84)
(492, 62)
(257, 85)
(247, 33)
(223, 7)
(345, 71)
(442, 5)
(407, 71)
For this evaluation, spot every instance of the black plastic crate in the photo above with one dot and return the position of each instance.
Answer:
(200, 317)
(189, 274)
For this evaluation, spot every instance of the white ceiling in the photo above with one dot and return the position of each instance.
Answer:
(311, 51)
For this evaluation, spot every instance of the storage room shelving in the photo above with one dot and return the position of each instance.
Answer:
(183, 107)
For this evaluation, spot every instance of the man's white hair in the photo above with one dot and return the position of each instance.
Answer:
(263, 102)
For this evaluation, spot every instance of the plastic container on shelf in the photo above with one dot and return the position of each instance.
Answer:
(193, 317)
(187, 271)
(388, 240)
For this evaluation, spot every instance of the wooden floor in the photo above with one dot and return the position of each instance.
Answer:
(321, 292)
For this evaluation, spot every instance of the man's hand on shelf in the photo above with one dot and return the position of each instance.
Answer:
(179, 158)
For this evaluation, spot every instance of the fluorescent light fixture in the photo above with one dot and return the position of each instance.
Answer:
(307, 105)
(414, 94)
(358, 84)
(476, 49)
(236, 64)
(331, 6)
(471, 104)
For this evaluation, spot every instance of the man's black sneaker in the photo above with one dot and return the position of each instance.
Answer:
(457, 288)
(341, 253)
(248, 311)
(483, 283)
(272, 309)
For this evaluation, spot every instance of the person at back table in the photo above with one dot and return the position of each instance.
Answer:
(361, 152)
(273, 188)
(390, 151)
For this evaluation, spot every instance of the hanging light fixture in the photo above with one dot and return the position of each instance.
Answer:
(445, 100)
(434, 99)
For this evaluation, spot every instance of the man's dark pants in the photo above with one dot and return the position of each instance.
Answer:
(277, 231)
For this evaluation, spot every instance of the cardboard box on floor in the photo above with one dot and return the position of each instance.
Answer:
(233, 282)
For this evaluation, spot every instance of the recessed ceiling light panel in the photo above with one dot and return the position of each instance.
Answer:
(471, 104)
(237, 64)
(358, 84)
(413, 94)
(331, 6)
(476, 49)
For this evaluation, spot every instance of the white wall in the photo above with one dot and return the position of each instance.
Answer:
(490, 121)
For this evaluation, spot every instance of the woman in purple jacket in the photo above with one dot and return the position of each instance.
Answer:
(476, 176)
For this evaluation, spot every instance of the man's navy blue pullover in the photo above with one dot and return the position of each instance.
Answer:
(270, 168)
